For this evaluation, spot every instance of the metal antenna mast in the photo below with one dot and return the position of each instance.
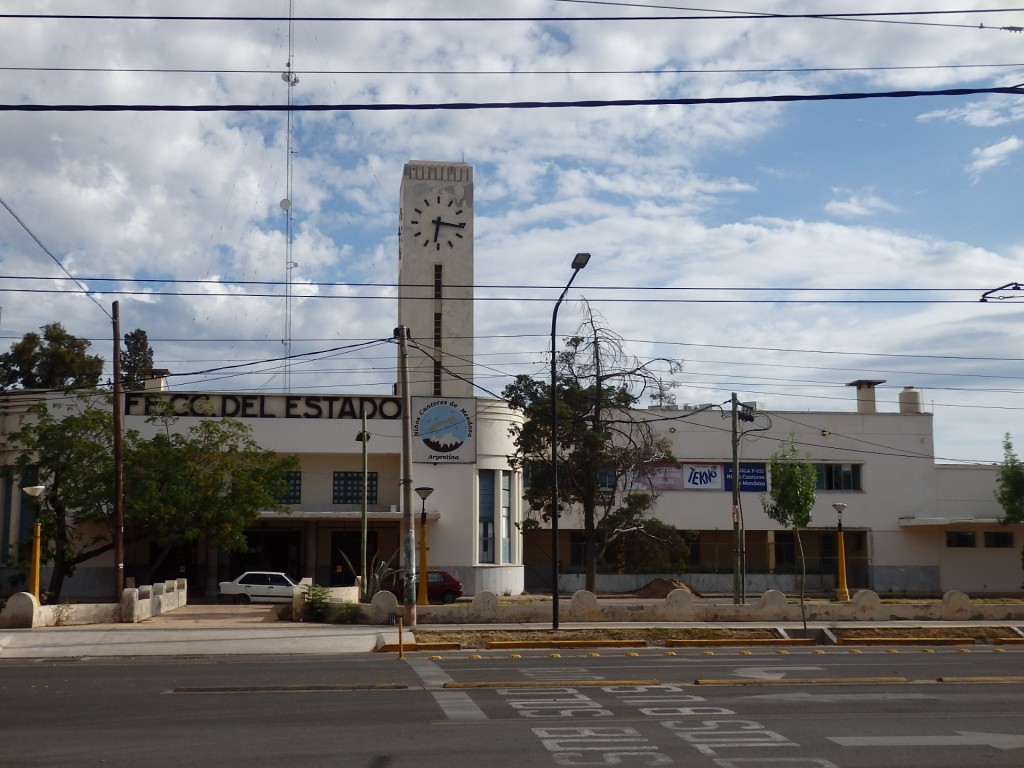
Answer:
(292, 80)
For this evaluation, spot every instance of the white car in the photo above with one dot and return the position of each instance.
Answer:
(258, 587)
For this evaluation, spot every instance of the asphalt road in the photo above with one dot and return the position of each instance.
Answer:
(729, 709)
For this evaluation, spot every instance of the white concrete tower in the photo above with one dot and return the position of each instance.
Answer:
(435, 275)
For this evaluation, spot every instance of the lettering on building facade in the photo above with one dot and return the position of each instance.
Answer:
(246, 406)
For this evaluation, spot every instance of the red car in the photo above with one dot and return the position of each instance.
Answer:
(442, 587)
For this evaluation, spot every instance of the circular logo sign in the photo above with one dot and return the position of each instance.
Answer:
(443, 428)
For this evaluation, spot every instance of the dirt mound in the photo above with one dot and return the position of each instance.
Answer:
(659, 588)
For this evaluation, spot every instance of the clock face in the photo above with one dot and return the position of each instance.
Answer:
(437, 223)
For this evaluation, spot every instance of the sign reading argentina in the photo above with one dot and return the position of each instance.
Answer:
(444, 430)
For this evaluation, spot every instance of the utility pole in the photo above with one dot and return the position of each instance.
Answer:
(118, 460)
(364, 438)
(402, 334)
(737, 579)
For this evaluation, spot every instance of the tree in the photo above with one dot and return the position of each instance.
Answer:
(209, 484)
(1010, 485)
(603, 444)
(136, 360)
(794, 482)
(57, 360)
(70, 447)
(652, 546)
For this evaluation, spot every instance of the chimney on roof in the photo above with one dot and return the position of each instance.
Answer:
(866, 394)
(155, 380)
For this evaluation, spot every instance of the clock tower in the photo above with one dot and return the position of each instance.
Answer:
(435, 275)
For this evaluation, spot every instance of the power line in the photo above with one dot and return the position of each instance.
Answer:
(48, 252)
(541, 299)
(1015, 90)
(704, 15)
(970, 291)
(510, 72)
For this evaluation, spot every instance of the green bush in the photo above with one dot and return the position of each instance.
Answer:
(317, 605)
(347, 613)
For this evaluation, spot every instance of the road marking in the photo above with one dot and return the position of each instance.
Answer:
(838, 697)
(456, 705)
(769, 673)
(1003, 741)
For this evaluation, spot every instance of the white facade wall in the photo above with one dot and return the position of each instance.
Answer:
(904, 507)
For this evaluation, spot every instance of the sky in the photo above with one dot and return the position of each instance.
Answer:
(777, 249)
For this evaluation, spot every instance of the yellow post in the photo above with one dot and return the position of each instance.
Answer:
(842, 593)
(37, 536)
(421, 594)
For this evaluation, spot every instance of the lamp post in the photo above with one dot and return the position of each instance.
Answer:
(421, 595)
(364, 438)
(579, 262)
(35, 491)
(842, 593)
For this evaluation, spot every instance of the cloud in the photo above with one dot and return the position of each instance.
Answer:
(987, 158)
(857, 204)
(706, 223)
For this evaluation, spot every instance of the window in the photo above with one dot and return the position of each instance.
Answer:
(437, 356)
(348, 488)
(960, 539)
(607, 479)
(506, 516)
(485, 521)
(838, 477)
(577, 551)
(293, 495)
(785, 549)
(999, 539)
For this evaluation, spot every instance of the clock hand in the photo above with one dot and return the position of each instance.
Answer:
(437, 227)
(439, 223)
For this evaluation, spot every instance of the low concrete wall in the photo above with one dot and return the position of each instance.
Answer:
(335, 596)
(23, 611)
(681, 605)
(145, 602)
(702, 583)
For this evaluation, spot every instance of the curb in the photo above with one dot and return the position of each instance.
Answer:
(732, 642)
(906, 641)
(396, 648)
(527, 644)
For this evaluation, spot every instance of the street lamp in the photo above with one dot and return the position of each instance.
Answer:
(421, 595)
(579, 262)
(35, 491)
(364, 438)
(842, 593)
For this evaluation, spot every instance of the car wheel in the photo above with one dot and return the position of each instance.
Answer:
(243, 599)
(448, 597)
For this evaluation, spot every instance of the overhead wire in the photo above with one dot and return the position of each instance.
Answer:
(81, 288)
(1014, 90)
(890, 17)
(512, 72)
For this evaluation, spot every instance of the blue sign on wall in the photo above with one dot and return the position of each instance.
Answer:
(753, 477)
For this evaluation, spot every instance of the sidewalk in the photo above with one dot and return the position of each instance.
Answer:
(207, 630)
(196, 630)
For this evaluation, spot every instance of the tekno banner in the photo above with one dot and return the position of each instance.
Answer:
(444, 430)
